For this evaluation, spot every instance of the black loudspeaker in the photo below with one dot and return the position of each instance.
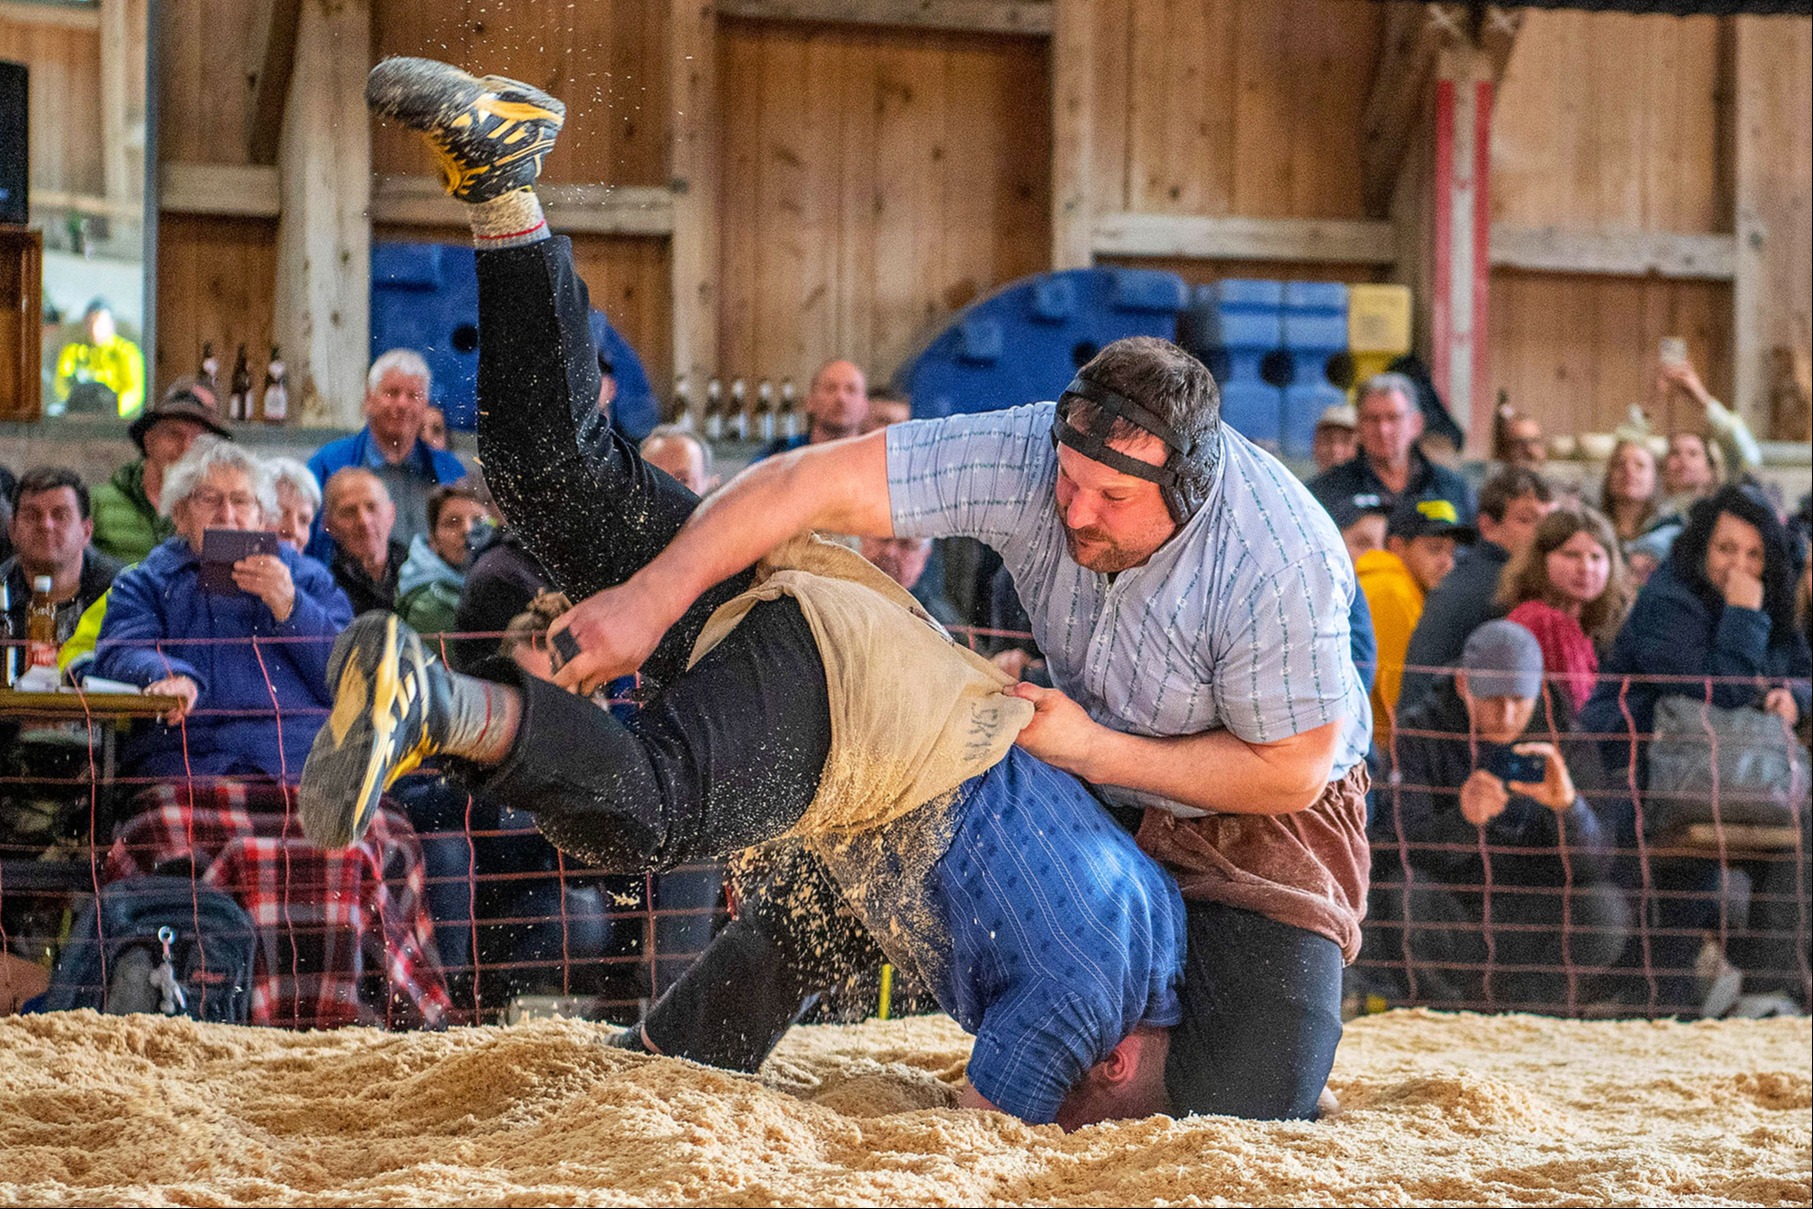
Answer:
(14, 152)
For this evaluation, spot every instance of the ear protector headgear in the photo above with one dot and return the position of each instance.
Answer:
(1189, 467)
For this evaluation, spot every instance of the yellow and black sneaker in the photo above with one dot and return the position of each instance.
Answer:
(489, 133)
(391, 702)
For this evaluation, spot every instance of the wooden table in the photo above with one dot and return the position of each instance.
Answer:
(107, 710)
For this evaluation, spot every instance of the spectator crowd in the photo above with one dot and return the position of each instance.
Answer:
(1531, 655)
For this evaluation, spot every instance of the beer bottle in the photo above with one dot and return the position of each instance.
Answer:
(239, 402)
(41, 625)
(738, 425)
(276, 408)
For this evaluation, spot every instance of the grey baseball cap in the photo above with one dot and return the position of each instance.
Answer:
(1502, 659)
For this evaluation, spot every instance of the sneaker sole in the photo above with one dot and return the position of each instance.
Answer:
(445, 104)
(363, 747)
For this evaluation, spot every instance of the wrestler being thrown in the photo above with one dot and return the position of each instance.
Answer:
(806, 709)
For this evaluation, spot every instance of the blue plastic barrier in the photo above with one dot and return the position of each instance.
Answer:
(1315, 329)
(1023, 343)
(424, 296)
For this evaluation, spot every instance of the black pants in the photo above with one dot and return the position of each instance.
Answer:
(724, 758)
(727, 756)
(1262, 1016)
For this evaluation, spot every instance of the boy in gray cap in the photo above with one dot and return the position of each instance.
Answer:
(1466, 774)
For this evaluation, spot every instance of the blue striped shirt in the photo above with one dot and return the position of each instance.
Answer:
(1240, 621)
(1042, 928)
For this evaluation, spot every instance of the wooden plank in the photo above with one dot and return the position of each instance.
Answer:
(271, 57)
(21, 303)
(1358, 241)
(965, 16)
(50, 16)
(587, 209)
(323, 317)
(1576, 351)
(1615, 253)
(245, 190)
(1072, 129)
(216, 281)
(693, 136)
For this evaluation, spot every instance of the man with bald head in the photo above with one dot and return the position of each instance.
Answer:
(837, 406)
(358, 513)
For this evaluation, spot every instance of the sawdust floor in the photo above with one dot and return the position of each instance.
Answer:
(1449, 1109)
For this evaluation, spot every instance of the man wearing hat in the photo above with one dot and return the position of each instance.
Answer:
(1421, 537)
(1337, 437)
(126, 521)
(1467, 778)
(105, 362)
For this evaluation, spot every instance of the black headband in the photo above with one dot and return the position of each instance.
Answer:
(1092, 443)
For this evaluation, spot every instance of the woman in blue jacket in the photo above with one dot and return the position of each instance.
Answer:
(1719, 611)
(248, 663)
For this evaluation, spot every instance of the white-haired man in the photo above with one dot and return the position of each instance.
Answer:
(391, 446)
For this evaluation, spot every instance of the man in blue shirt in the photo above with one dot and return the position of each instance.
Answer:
(391, 447)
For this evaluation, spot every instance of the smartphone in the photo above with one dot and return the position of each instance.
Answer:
(1673, 351)
(221, 548)
(1511, 766)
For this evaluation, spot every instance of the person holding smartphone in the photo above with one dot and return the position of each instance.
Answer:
(1510, 899)
(186, 623)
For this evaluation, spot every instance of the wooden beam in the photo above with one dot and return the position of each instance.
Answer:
(1615, 253)
(50, 16)
(1409, 40)
(693, 138)
(968, 16)
(1072, 134)
(578, 209)
(87, 203)
(323, 318)
(117, 49)
(271, 59)
(1200, 237)
(236, 190)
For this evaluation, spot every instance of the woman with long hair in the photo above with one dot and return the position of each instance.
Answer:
(1628, 493)
(1570, 590)
(1716, 622)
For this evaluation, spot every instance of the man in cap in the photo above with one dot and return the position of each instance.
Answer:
(1336, 439)
(1192, 601)
(1421, 537)
(127, 523)
(1466, 775)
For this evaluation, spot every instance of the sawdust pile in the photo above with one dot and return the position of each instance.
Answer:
(1455, 1109)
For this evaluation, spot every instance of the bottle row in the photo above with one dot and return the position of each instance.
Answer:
(272, 405)
(734, 413)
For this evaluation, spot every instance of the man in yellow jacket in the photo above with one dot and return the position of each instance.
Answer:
(105, 358)
(1421, 537)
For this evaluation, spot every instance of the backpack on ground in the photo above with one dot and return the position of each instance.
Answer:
(161, 944)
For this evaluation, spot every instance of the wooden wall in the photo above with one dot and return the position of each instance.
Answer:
(874, 180)
(606, 59)
(1247, 107)
(1644, 147)
(872, 183)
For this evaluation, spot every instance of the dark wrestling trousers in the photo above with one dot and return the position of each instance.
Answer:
(727, 756)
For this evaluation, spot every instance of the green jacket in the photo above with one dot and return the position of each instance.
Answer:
(125, 523)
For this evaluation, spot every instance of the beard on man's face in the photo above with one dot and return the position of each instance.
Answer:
(1094, 549)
